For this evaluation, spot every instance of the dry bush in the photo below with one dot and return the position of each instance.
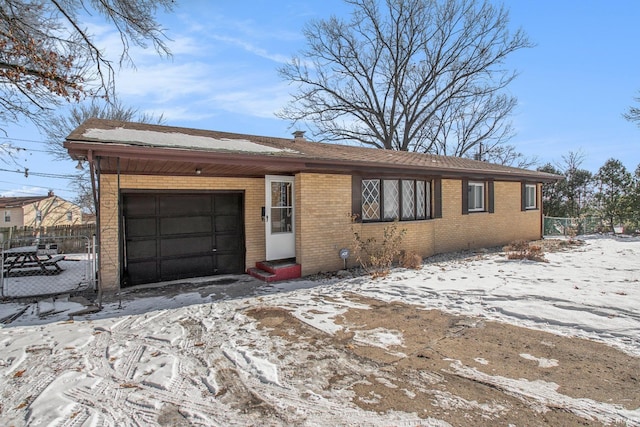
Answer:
(411, 260)
(521, 249)
(377, 258)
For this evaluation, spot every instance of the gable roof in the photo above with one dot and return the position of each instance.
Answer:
(152, 149)
(16, 202)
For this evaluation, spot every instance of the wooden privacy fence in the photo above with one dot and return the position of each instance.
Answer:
(68, 232)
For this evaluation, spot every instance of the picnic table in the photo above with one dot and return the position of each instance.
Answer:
(27, 261)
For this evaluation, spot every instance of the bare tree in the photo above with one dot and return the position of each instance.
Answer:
(411, 75)
(633, 113)
(507, 155)
(62, 125)
(48, 56)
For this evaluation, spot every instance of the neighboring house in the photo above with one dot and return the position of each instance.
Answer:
(39, 211)
(177, 203)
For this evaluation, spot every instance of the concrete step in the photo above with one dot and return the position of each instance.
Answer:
(265, 276)
(272, 271)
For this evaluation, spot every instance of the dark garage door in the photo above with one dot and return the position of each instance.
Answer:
(177, 236)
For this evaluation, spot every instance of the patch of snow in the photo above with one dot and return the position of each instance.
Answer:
(546, 394)
(252, 363)
(198, 351)
(542, 362)
(179, 140)
(379, 337)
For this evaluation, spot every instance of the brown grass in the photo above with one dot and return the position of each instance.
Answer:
(521, 249)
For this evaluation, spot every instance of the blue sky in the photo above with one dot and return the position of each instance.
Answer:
(572, 89)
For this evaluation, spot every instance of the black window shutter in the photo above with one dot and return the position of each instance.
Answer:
(490, 196)
(437, 198)
(523, 196)
(465, 196)
(356, 197)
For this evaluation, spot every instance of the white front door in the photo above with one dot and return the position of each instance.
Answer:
(279, 217)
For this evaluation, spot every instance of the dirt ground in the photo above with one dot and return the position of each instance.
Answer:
(446, 366)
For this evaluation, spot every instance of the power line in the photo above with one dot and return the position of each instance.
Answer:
(8, 138)
(26, 172)
(34, 186)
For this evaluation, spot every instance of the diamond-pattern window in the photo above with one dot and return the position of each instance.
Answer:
(370, 199)
(395, 199)
(421, 209)
(427, 197)
(408, 200)
(391, 191)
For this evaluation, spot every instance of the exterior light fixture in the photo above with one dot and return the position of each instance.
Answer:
(79, 165)
(198, 171)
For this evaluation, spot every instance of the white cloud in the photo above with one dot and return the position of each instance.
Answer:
(165, 82)
(25, 191)
(259, 101)
(180, 113)
(251, 48)
(210, 73)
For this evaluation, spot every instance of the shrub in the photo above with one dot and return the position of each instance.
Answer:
(411, 260)
(521, 249)
(377, 258)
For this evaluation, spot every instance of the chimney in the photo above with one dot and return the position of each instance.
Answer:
(298, 136)
(50, 193)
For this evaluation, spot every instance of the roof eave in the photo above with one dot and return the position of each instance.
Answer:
(80, 149)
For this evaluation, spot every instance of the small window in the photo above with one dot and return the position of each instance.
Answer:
(370, 199)
(476, 197)
(38, 215)
(408, 200)
(69, 216)
(422, 200)
(7, 216)
(391, 191)
(530, 196)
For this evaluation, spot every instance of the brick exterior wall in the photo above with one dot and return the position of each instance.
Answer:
(323, 219)
(455, 231)
(324, 226)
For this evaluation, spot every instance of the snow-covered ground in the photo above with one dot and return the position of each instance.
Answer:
(204, 358)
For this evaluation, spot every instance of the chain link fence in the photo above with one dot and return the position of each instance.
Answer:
(45, 265)
(554, 226)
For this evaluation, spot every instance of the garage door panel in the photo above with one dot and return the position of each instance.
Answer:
(184, 205)
(229, 264)
(227, 243)
(140, 205)
(183, 246)
(227, 204)
(226, 224)
(141, 227)
(186, 267)
(142, 272)
(141, 249)
(185, 225)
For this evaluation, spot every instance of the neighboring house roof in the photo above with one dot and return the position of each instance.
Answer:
(154, 149)
(17, 202)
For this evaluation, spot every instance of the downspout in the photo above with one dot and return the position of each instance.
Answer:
(94, 170)
(121, 255)
(539, 195)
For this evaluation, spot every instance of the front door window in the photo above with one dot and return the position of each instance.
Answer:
(281, 207)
